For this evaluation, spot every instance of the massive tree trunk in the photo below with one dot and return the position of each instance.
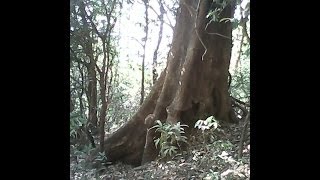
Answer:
(194, 85)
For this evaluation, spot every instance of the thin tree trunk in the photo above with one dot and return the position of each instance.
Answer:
(92, 89)
(106, 68)
(144, 49)
(142, 81)
(103, 76)
(92, 85)
(155, 54)
(239, 55)
(80, 94)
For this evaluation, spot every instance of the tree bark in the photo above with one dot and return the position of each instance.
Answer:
(80, 94)
(155, 54)
(193, 86)
(146, 29)
(92, 97)
(92, 85)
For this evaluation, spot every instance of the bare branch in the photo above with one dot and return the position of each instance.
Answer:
(243, 22)
(95, 27)
(245, 32)
(191, 10)
(158, 16)
(196, 29)
(212, 33)
(169, 24)
(91, 21)
(137, 41)
(98, 69)
(154, 10)
(219, 35)
(240, 102)
(77, 81)
(239, 54)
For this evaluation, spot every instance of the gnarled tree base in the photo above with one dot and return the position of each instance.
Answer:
(193, 86)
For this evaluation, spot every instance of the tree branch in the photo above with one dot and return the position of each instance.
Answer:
(243, 22)
(191, 10)
(240, 102)
(137, 41)
(212, 33)
(77, 59)
(196, 29)
(101, 36)
(159, 17)
(239, 55)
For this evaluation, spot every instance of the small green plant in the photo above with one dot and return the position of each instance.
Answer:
(171, 135)
(207, 124)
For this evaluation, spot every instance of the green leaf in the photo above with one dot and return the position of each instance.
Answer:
(172, 150)
(225, 19)
(215, 125)
(159, 122)
(165, 152)
(209, 14)
(157, 142)
(184, 139)
(210, 118)
(198, 123)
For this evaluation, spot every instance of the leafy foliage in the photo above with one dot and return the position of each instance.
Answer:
(171, 135)
(223, 156)
(80, 168)
(240, 87)
(207, 127)
(76, 120)
(207, 124)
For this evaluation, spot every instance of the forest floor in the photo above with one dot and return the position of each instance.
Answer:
(210, 156)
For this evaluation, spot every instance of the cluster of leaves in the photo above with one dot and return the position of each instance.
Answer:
(207, 126)
(220, 155)
(240, 86)
(226, 163)
(76, 120)
(209, 123)
(171, 136)
(81, 167)
(78, 165)
(121, 107)
(220, 158)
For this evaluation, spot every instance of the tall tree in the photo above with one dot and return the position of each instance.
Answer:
(193, 85)
(108, 56)
(92, 46)
(146, 29)
(81, 36)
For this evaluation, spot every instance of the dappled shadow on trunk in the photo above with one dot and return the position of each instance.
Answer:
(193, 86)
